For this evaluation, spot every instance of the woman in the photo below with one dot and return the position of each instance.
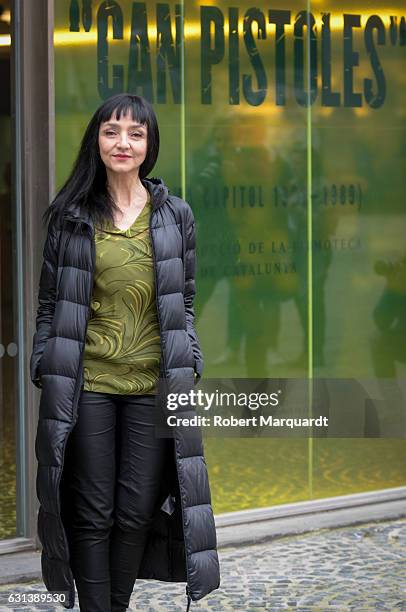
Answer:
(122, 495)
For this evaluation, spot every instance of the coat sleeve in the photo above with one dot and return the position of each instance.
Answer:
(190, 290)
(46, 300)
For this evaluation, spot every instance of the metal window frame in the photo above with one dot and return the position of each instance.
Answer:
(33, 142)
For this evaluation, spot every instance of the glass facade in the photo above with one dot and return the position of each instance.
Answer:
(283, 128)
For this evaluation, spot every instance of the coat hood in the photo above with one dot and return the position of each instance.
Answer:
(158, 190)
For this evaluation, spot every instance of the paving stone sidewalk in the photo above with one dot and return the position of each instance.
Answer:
(358, 569)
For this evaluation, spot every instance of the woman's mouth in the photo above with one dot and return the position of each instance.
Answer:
(122, 156)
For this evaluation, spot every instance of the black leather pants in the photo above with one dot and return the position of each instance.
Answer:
(113, 465)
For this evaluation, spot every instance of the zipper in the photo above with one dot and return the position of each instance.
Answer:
(189, 599)
(74, 419)
(162, 345)
(156, 295)
(79, 377)
(93, 252)
(182, 229)
(164, 367)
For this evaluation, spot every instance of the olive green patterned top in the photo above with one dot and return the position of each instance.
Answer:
(122, 350)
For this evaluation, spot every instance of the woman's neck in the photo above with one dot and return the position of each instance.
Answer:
(126, 189)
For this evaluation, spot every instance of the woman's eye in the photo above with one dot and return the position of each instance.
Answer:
(111, 133)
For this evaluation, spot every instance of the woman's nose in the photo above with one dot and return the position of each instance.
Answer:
(124, 141)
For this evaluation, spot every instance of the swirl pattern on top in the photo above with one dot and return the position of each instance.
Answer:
(123, 350)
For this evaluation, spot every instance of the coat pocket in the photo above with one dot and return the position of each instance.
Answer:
(197, 374)
(190, 353)
(41, 361)
(39, 367)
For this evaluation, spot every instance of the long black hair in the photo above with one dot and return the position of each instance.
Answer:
(87, 182)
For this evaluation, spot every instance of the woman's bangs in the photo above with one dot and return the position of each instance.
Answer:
(138, 112)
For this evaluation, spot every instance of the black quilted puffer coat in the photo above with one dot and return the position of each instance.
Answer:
(182, 545)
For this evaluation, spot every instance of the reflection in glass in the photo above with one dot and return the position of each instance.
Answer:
(264, 175)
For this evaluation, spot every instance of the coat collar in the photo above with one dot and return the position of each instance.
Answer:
(158, 190)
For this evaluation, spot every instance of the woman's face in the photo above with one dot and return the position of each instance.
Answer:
(123, 144)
